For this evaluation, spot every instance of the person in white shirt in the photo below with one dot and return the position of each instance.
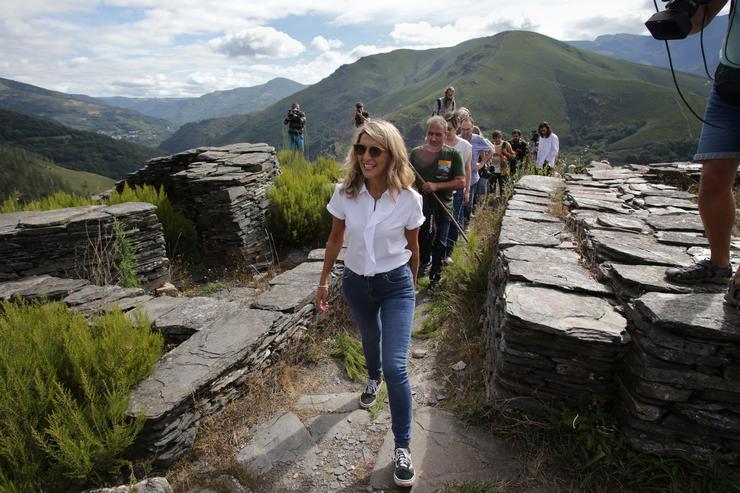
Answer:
(380, 214)
(548, 148)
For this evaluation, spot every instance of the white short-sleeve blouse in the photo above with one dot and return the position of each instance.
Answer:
(375, 233)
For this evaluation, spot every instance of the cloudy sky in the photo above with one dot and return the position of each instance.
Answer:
(163, 48)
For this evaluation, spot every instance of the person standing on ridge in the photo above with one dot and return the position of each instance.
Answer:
(719, 153)
(296, 122)
(380, 213)
(461, 197)
(548, 148)
(440, 172)
(520, 151)
(360, 116)
(445, 104)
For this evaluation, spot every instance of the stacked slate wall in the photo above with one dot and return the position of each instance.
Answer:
(80, 242)
(223, 191)
(673, 375)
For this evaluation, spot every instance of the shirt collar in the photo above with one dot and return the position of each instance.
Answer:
(363, 189)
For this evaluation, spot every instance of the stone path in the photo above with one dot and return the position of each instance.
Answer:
(326, 443)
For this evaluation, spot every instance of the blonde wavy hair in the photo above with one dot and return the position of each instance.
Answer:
(400, 174)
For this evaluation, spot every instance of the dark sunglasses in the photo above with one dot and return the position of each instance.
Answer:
(374, 151)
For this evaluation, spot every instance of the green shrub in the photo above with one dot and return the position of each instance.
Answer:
(179, 232)
(64, 392)
(349, 348)
(125, 266)
(58, 200)
(298, 214)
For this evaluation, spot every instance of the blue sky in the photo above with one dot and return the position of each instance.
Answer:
(167, 48)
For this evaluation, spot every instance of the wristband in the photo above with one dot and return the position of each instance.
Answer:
(323, 286)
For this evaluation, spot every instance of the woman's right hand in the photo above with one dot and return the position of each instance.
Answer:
(322, 294)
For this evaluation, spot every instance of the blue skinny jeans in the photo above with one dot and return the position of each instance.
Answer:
(383, 309)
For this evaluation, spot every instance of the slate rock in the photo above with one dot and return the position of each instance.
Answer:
(663, 201)
(534, 216)
(151, 485)
(682, 239)
(552, 267)
(520, 232)
(581, 317)
(329, 403)
(634, 280)
(281, 440)
(701, 315)
(287, 298)
(635, 248)
(546, 184)
(676, 222)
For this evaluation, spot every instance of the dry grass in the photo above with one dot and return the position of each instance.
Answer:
(275, 389)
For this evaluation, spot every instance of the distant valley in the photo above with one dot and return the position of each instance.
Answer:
(216, 104)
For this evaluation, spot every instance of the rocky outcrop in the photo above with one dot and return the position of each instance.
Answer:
(553, 335)
(223, 191)
(670, 353)
(225, 342)
(80, 242)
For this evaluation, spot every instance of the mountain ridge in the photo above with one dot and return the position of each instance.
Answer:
(82, 113)
(512, 79)
(240, 100)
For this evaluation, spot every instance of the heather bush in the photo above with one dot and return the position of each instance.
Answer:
(298, 214)
(64, 394)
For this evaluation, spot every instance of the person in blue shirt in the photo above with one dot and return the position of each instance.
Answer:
(719, 153)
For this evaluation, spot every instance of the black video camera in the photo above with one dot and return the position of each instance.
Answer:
(675, 21)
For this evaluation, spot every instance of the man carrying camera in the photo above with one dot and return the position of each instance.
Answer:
(719, 144)
(360, 116)
(296, 121)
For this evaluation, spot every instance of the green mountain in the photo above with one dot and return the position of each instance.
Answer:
(35, 177)
(513, 79)
(217, 104)
(83, 113)
(686, 53)
(73, 149)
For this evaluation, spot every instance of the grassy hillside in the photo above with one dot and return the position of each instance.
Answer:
(72, 149)
(34, 177)
(217, 104)
(83, 113)
(513, 79)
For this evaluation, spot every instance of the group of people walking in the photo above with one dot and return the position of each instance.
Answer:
(398, 214)
(395, 210)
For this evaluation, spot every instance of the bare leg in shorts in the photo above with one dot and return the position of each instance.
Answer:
(717, 208)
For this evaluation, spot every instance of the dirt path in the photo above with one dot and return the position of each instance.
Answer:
(324, 443)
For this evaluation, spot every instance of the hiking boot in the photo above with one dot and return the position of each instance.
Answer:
(732, 297)
(701, 272)
(447, 260)
(370, 394)
(403, 473)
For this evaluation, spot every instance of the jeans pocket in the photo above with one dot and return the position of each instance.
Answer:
(399, 277)
(347, 274)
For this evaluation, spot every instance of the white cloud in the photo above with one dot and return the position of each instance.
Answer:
(258, 42)
(320, 43)
(426, 34)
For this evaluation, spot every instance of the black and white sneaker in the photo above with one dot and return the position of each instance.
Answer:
(403, 473)
(370, 394)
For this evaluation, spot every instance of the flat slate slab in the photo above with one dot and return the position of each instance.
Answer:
(287, 298)
(194, 364)
(444, 451)
(521, 232)
(533, 216)
(637, 248)
(305, 273)
(330, 403)
(617, 221)
(682, 239)
(638, 279)
(663, 201)
(536, 183)
(281, 440)
(319, 254)
(35, 286)
(676, 222)
(554, 267)
(701, 315)
(582, 317)
(193, 315)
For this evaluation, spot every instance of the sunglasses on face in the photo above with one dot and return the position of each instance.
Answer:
(374, 151)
